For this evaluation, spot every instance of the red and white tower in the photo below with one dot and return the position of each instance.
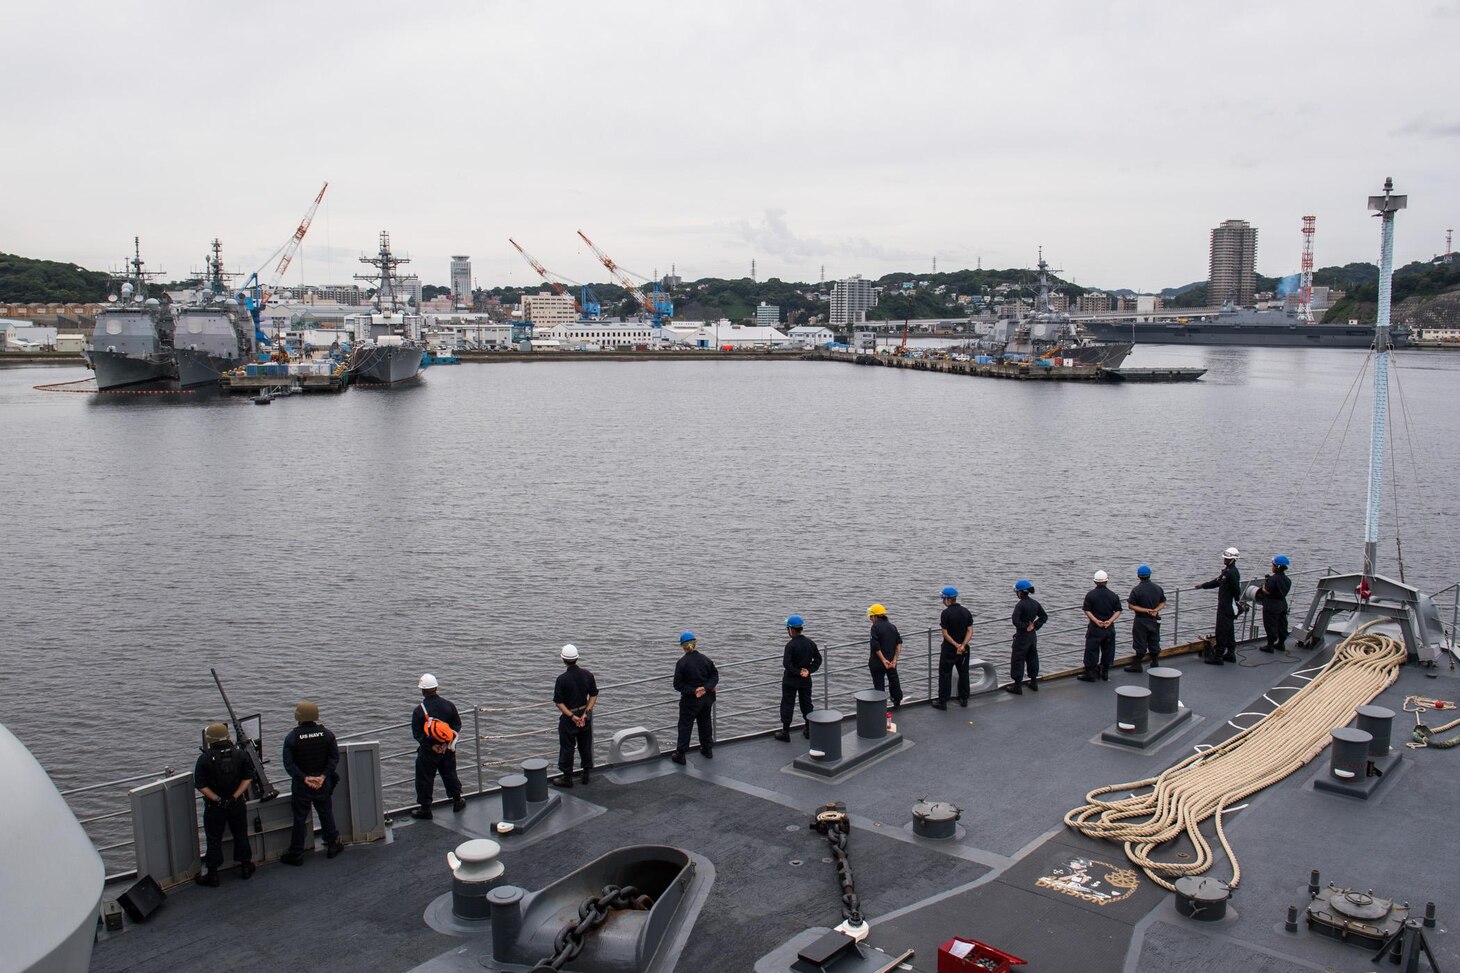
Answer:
(1305, 284)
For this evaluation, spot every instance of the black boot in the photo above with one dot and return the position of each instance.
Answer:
(1087, 676)
(938, 704)
(1034, 684)
(1135, 665)
(1014, 689)
(1104, 673)
(1230, 656)
(806, 730)
(208, 879)
(783, 734)
(586, 778)
(246, 870)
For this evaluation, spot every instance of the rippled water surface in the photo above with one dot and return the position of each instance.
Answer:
(333, 548)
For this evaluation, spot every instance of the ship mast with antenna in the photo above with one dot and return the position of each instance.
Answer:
(1384, 207)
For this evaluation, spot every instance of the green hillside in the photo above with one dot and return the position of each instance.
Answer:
(24, 279)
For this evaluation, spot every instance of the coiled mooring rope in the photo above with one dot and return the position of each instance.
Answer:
(1206, 784)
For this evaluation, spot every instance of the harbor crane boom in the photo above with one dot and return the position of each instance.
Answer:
(256, 294)
(555, 281)
(658, 309)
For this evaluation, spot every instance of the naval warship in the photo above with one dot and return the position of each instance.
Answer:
(131, 344)
(387, 348)
(212, 333)
(1048, 333)
(1189, 817)
(1244, 326)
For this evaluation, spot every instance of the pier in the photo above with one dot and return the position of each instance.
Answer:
(243, 384)
(1026, 370)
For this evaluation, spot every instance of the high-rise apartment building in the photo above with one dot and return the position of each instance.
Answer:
(461, 281)
(545, 310)
(1233, 275)
(851, 299)
(767, 315)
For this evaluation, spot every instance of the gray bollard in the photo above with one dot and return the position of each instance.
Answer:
(535, 770)
(1377, 721)
(1133, 709)
(871, 714)
(1165, 686)
(514, 797)
(1349, 759)
(505, 902)
(826, 734)
(473, 874)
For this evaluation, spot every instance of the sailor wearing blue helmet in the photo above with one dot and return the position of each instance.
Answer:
(956, 624)
(1273, 593)
(799, 660)
(1028, 618)
(695, 679)
(1146, 600)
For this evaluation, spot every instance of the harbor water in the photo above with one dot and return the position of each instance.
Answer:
(334, 548)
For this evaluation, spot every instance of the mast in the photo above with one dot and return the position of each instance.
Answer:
(385, 264)
(1385, 207)
(215, 268)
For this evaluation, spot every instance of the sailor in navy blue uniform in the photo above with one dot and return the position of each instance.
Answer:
(799, 659)
(435, 756)
(310, 758)
(222, 777)
(695, 679)
(1274, 597)
(1102, 608)
(884, 649)
(956, 624)
(1146, 600)
(575, 693)
(1229, 592)
(1028, 618)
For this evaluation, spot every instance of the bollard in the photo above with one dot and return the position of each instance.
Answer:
(474, 869)
(1313, 885)
(535, 770)
(514, 797)
(1292, 924)
(1165, 685)
(1349, 759)
(1377, 722)
(826, 734)
(505, 902)
(871, 714)
(1429, 915)
(1133, 709)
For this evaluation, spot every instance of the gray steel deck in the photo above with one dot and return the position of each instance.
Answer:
(1015, 765)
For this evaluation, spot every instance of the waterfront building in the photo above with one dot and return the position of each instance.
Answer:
(601, 334)
(767, 315)
(1233, 274)
(851, 299)
(738, 337)
(1093, 302)
(461, 281)
(812, 336)
(547, 309)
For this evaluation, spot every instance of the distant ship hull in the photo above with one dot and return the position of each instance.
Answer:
(1106, 354)
(114, 370)
(386, 365)
(196, 368)
(1278, 334)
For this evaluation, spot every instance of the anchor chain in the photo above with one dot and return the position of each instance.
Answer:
(592, 913)
(832, 822)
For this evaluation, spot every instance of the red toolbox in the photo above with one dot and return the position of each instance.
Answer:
(959, 955)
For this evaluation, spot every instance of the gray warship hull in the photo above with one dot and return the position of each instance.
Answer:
(388, 365)
(1216, 332)
(114, 370)
(1106, 354)
(195, 368)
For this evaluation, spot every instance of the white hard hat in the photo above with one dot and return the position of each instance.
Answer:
(1101, 577)
(427, 681)
(1231, 553)
(569, 653)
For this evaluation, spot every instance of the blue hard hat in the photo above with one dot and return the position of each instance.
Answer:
(795, 621)
(1281, 560)
(1144, 571)
(950, 592)
(1023, 584)
(686, 636)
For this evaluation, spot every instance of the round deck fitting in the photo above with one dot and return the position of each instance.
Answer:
(1202, 899)
(935, 819)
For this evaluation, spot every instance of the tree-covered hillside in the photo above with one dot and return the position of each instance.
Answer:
(25, 279)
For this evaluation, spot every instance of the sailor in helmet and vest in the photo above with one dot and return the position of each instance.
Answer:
(222, 776)
(1273, 593)
(436, 725)
(310, 758)
(575, 693)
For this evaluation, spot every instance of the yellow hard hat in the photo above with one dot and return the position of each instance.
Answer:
(876, 610)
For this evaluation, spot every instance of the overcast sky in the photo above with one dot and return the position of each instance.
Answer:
(865, 137)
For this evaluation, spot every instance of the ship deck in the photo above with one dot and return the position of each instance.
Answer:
(1014, 765)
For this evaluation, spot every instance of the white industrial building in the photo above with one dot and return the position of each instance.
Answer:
(546, 310)
(812, 336)
(739, 337)
(596, 334)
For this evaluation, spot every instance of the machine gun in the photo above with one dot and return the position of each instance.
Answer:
(249, 746)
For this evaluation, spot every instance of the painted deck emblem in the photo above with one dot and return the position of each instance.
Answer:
(1092, 880)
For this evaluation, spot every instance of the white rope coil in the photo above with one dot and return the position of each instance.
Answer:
(1206, 784)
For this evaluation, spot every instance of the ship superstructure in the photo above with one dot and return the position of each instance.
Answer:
(212, 333)
(1048, 333)
(387, 341)
(131, 345)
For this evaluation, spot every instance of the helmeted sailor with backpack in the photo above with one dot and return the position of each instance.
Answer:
(435, 725)
(223, 776)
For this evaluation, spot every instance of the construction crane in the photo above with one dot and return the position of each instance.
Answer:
(256, 294)
(584, 304)
(659, 307)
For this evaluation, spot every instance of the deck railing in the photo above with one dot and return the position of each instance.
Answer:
(496, 738)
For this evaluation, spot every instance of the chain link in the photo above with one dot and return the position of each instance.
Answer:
(832, 822)
(592, 913)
